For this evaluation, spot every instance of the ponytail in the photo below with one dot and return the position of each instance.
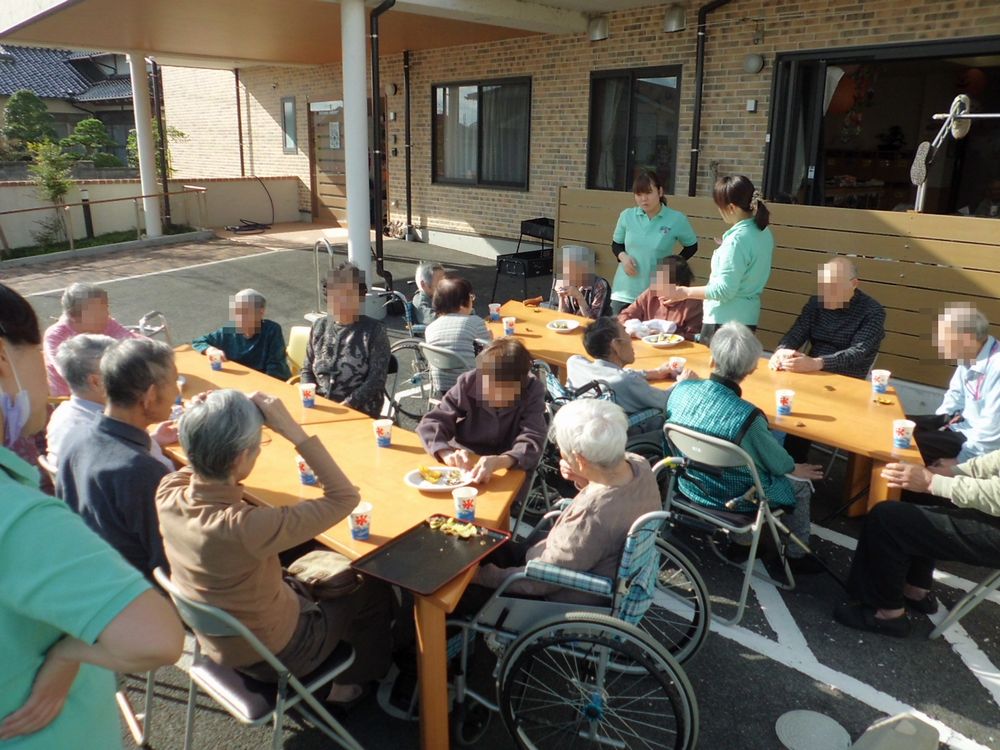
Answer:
(739, 191)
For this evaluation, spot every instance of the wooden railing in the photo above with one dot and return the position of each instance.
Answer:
(912, 263)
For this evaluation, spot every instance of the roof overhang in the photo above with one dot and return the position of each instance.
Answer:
(241, 33)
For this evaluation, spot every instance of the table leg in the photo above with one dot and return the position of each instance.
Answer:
(879, 490)
(433, 670)
(859, 474)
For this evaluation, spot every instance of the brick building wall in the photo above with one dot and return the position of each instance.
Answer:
(559, 67)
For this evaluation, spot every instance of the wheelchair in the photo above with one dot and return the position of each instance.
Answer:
(584, 675)
(153, 324)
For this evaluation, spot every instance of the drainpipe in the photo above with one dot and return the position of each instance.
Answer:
(377, 155)
(239, 122)
(162, 138)
(699, 82)
(410, 235)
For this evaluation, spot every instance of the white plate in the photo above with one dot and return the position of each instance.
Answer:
(414, 479)
(674, 340)
(571, 325)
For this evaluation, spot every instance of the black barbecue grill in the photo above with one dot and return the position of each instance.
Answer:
(531, 263)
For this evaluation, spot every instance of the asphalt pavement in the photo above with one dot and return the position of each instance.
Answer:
(787, 654)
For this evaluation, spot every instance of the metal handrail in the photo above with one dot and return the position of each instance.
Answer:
(186, 189)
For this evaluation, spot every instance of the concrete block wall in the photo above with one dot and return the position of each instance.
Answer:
(560, 68)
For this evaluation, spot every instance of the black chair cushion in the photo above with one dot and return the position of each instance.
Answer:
(250, 700)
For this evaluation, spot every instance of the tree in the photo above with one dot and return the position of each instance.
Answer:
(50, 171)
(27, 120)
(89, 140)
(132, 146)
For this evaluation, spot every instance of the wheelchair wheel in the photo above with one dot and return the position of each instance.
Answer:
(589, 680)
(679, 617)
(409, 388)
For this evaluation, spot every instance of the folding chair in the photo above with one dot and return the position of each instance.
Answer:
(298, 341)
(444, 360)
(139, 724)
(245, 699)
(710, 453)
(968, 603)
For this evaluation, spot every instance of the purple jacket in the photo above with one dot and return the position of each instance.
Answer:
(464, 419)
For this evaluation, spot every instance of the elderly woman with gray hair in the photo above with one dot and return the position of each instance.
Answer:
(224, 550)
(248, 338)
(85, 310)
(716, 407)
(615, 488)
(580, 290)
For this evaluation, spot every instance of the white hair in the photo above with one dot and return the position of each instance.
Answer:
(962, 317)
(252, 296)
(424, 274)
(80, 357)
(76, 295)
(577, 254)
(215, 431)
(594, 429)
(735, 350)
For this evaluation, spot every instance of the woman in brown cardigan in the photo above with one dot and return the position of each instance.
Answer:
(224, 551)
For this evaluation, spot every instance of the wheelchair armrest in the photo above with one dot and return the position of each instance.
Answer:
(641, 416)
(570, 579)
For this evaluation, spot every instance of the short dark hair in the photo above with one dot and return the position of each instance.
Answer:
(451, 293)
(18, 322)
(600, 335)
(507, 360)
(129, 367)
(680, 271)
(346, 274)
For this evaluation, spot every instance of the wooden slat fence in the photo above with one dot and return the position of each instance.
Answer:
(912, 263)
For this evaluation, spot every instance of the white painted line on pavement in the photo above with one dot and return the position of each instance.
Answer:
(777, 614)
(167, 270)
(807, 664)
(978, 663)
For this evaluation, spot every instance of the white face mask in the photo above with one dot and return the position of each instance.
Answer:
(16, 411)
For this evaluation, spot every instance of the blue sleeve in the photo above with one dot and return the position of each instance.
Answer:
(74, 581)
(277, 359)
(685, 232)
(619, 235)
(214, 338)
(767, 452)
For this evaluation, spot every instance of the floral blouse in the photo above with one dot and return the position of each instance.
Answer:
(349, 363)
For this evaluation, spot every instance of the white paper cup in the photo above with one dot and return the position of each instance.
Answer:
(508, 326)
(215, 361)
(383, 432)
(306, 474)
(361, 521)
(902, 433)
(308, 393)
(677, 364)
(181, 382)
(880, 380)
(784, 398)
(465, 503)
(494, 311)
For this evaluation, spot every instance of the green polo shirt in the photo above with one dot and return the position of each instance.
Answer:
(741, 266)
(648, 241)
(57, 577)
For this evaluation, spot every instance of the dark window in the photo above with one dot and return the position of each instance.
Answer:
(481, 133)
(633, 125)
(846, 126)
(288, 133)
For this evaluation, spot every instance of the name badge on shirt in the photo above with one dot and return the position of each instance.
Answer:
(665, 230)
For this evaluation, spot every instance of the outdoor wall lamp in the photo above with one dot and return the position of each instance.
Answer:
(675, 19)
(597, 28)
(753, 63)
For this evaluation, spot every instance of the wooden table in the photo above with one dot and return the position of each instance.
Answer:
(831, 409)
(378, 473)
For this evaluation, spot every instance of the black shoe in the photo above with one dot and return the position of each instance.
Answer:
(862, 617)
(926, 606)
(807, 565)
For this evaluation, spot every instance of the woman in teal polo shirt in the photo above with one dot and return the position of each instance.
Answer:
(741, 265)
(645, 235)
(72, 611)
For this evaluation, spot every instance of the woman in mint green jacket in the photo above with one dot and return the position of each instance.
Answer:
(741, 265)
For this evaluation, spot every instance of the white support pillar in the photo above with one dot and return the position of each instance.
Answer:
(354, 35)
(145, 142)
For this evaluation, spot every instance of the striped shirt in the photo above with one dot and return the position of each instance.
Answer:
(457, 333)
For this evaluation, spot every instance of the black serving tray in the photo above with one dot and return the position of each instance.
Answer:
(423, 559)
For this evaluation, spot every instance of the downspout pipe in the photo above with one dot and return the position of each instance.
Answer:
(699, 84)
(377, 156)
(410, 235)
(161, 137)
